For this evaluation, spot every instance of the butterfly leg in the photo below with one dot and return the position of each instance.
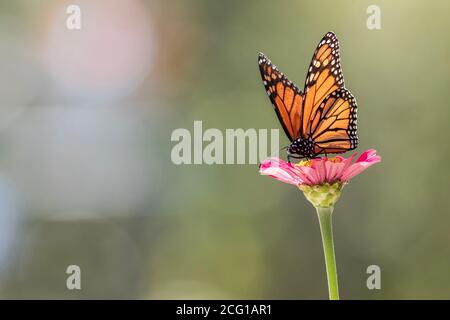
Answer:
(317, 155)
(292, 156)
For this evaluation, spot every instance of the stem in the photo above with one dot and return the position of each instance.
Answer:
(326, 230)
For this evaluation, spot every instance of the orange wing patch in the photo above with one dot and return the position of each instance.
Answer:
(286, 97)
(336, 130)
(324, 77)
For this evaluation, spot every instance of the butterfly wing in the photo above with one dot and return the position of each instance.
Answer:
(286, 97)
(324, 77)
(333, 129)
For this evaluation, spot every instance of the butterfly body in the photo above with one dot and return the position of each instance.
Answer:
(301, 147)
(321, 119)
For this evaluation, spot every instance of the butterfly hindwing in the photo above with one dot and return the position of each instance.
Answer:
(286, 97)
(333, 129)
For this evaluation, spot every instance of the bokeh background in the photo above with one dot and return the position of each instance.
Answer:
(86, 176)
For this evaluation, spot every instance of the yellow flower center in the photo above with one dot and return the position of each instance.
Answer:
(304, 163)
(335, 159)
(308, 163)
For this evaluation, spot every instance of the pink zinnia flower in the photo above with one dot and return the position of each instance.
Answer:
(320, 170)
(321, 181)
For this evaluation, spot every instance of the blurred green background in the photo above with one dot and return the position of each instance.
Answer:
(86, 176)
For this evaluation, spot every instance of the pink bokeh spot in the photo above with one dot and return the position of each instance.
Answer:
(320, 170)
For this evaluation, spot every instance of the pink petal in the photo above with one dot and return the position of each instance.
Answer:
(334, 170)
(319, 170)
(367, 159)
(367, 155)
(280, 170)
(310, 175)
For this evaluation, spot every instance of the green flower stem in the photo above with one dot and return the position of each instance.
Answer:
(324, 214)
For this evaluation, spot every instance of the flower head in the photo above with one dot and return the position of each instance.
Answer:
(321, 179)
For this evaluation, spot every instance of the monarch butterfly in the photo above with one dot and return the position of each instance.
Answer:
(322, 118)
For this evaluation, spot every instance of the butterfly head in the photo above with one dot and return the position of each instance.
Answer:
(301, 148)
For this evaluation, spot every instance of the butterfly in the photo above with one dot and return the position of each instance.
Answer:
(321, 119)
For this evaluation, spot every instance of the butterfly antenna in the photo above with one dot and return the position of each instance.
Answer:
(277, 153)
(288, 156)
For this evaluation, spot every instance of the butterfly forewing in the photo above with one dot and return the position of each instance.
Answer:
(286, 97)
(324, 76)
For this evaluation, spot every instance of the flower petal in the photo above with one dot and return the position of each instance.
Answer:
(280, 170)
(366, 159)
(368, 156)
(334, 170)
(307, 175)
(319, 170)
